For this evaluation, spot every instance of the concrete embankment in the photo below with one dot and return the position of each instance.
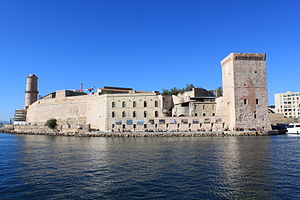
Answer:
(147, 134)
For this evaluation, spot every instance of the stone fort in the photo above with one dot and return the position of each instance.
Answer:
(243, 105)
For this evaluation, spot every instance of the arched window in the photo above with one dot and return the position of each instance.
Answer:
(133, 114)
(113, 104)
(134, 104)
(113, 114)
(156, 103)
(156, 114)
(145, 114)
(123, 114)
(145, 104)
(123, 104)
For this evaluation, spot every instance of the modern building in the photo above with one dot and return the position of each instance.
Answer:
(244, 104)
(288, 104)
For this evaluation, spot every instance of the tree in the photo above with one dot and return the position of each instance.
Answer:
(189, 87)
(51, 123)
(175, 91)
(166, 92)
(219, 92)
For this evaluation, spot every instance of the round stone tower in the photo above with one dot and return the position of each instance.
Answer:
(31, 92)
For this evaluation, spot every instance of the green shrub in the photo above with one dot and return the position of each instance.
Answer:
(51, 123)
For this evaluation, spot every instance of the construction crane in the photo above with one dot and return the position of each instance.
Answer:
(84, 90)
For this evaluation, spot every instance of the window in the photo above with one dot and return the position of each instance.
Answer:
(213, 114)
(123, 114)
(256, 101)
(134, 104)
(145, 125)
(184, 121)
(156, 114)
(123, 104)
(245, 101)
(203, 114)
(133, 114)
(145, 114)
(156, 103)
(145, 104)
(203, 106)
(113, 104)
(195, 121)
(140, 122)
(162, 121)
(113, 114)
(151, 121)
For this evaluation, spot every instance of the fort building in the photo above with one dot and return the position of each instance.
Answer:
(245, 98)
(244, 104)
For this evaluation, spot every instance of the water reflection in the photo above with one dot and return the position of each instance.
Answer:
(50, 167)
(245, 167)
(63, 165)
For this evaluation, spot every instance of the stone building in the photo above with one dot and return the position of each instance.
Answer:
(245, 98)
(243, 105)
(198, 102)
(31, 95)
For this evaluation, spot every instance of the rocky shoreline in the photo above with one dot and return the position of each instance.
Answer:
(147, 134)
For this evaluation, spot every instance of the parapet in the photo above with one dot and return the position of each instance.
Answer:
(32, 76)
(244, 56)
(68, 93)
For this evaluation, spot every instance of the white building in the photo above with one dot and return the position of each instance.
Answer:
(288, 104)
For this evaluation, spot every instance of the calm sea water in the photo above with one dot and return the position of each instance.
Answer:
(56, 167)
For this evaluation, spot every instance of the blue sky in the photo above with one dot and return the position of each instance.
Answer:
(144, 44)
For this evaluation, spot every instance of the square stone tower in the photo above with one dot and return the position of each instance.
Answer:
(245, 96)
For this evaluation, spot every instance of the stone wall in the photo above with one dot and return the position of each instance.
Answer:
(58, 108)
(166, 124)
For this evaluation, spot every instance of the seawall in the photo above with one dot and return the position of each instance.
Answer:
(146, 134)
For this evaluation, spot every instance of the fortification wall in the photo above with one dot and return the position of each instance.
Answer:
(66, 109)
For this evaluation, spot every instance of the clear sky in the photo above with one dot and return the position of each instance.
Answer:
(144, 44)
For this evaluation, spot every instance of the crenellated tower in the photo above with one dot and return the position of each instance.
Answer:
(245, 97)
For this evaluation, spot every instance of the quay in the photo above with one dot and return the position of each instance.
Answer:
(143, 134)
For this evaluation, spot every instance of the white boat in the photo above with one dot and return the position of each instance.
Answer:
(293, 129)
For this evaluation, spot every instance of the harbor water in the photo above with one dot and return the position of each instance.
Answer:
(58, 167)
